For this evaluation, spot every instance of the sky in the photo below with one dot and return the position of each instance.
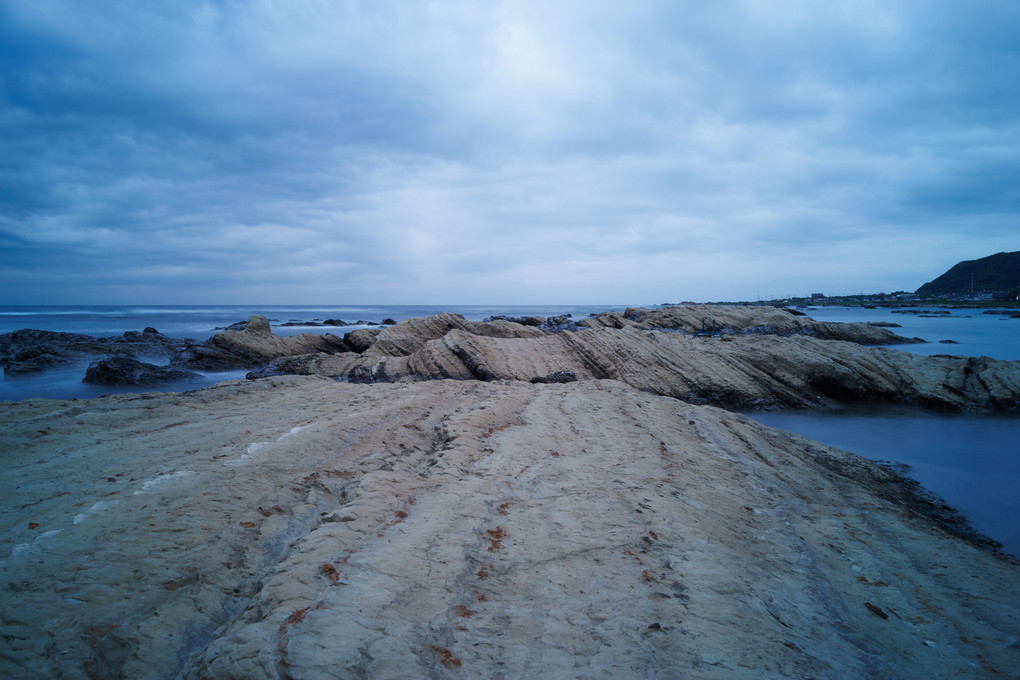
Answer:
(501, 152)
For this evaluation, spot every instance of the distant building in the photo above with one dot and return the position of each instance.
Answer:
(817, 296)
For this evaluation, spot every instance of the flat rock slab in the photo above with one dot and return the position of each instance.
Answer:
(296, 527)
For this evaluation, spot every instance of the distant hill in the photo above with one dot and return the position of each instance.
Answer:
(995, 272)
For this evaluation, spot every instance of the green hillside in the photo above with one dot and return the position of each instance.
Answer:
(995, 272)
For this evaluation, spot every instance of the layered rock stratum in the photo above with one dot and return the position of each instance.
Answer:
(756, 358)
(499, 500)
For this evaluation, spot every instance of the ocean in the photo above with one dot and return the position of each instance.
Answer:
(203, 321)
(972, 332)
(971, 460)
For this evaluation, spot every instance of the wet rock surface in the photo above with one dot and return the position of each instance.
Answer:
(128, 371)
(29, 351)
(249, 344)
(297, 527)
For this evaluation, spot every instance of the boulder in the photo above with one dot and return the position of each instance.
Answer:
(361, 375)
(204, 357)
(127, 371)
(257, 345)
(360, 340)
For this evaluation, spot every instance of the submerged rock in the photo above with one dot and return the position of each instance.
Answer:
(128, 371)
(30, 351)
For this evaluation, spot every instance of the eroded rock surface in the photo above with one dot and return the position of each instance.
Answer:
(439, 346)
(745, 319)
(296, 527)
(752, 370)
(257, 344)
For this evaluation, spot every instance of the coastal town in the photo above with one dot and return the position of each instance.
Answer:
(979, 298)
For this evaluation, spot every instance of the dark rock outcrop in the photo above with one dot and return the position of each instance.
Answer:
(127, 371)
(29, 350)
(557, 377)
(360, 340)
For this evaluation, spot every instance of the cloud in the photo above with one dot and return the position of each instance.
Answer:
(453, 152)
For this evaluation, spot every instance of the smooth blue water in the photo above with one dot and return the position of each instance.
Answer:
(972, 461)
(202, 322)
(978, 334)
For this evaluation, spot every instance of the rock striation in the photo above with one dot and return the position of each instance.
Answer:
(760, 320)
(756, 358)
(733, 356)
(256, 345)
(299, 527)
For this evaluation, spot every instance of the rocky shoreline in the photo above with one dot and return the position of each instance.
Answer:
(564, 504)
(735, 357)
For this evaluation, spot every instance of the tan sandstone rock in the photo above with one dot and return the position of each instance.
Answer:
(743, 371)
(259, 345)
(296, 527)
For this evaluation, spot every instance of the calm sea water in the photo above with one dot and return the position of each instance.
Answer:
(973, 332)
(973, 461)
(201, 322)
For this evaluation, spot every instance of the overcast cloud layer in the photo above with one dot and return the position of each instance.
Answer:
(327, 152)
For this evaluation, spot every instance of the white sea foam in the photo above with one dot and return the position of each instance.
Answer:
(245, 458)
(96, 508)
(255, 447)
(163, 478)
(293, 430)
(21, 548)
